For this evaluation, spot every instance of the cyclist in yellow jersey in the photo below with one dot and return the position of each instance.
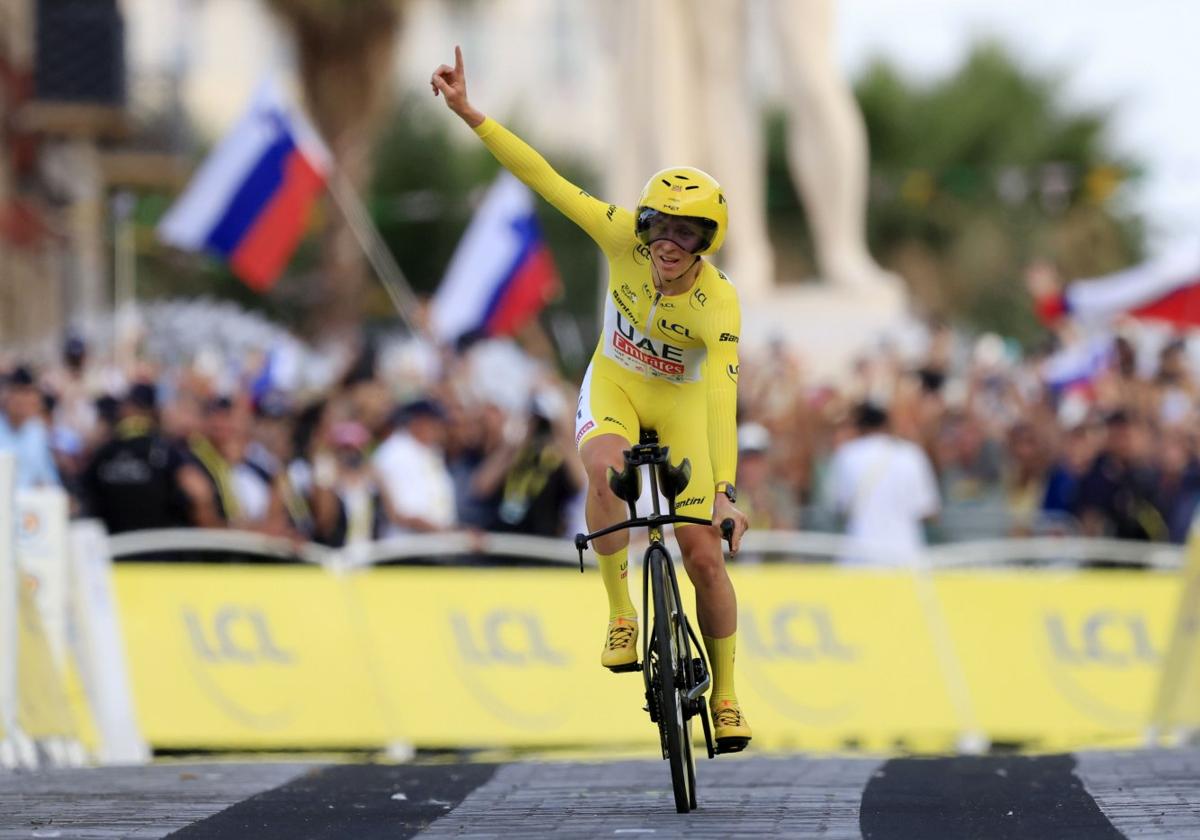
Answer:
(668, 360)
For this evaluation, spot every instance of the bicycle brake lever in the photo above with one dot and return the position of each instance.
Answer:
(580, 544)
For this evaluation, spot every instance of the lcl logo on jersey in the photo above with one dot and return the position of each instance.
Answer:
(698, 300)
(677, 329)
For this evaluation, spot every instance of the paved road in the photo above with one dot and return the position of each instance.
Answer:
(1149, 794)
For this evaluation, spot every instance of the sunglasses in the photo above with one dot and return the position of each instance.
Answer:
(691, 233)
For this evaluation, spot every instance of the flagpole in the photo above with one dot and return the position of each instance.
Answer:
(371, 241)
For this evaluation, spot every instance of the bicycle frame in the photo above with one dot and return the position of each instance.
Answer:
(649, 453)
(658, 544)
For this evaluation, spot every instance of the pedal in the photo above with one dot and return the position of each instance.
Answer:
(731, 745)
(626, 668)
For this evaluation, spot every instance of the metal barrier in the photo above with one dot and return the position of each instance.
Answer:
(476, 548)
(247, 546)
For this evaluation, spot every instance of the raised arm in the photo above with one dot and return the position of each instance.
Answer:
(610, 226)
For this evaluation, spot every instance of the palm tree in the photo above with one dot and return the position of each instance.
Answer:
(345, 50)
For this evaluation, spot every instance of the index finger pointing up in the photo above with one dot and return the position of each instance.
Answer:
(458, 61)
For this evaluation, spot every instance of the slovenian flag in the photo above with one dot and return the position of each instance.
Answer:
(1165, 289)
(501, 274)
(249, 202)
(1078, 366)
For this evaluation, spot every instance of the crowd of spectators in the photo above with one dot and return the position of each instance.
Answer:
(482, 437)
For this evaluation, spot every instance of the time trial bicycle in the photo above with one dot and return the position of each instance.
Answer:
(675, 679)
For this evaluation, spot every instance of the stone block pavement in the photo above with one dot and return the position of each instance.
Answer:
(1135, 794)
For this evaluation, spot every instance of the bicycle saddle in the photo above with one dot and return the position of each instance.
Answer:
(626, 484)
(673, 480)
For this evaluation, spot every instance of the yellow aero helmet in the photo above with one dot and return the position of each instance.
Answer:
(683, 191)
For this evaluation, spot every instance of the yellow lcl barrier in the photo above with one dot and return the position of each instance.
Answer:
(828, 658)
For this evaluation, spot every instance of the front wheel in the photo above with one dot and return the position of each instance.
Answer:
(672, 719)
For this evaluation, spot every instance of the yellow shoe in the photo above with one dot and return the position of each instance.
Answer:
(730, 729)
(620, 646)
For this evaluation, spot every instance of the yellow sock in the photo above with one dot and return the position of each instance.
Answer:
(614, 569)
(720, 659)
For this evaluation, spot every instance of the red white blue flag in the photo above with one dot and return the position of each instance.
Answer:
(1164, 289)
(501, 274)
(249, 202)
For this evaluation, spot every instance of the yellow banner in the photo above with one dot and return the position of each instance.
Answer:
(226, 656)
(828, 658)
(1060, 659)
(512, 657)
(1177, 700)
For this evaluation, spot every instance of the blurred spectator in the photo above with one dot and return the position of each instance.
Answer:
(306, 488)
(885, 488)
(538, 471)
(362, 515)
(24, 432)
(411, 463)
(1174, 386)
(67, 450)
(1177, 489)
(768, 505)
(75, 408)
(241, 495)
(1025, 478)
(139, 479)
(1018, 442)
(474, 444)
(1080, 444)
(1116, 494)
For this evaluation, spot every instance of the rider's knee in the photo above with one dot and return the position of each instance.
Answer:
(596, 463)
(705, 565)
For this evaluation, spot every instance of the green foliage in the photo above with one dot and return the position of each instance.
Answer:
(972, 176)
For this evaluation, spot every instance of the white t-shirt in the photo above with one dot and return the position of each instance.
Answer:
(884, 486)
(253, 493)
(415, 480)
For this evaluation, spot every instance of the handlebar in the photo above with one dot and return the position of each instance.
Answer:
(582, 540)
